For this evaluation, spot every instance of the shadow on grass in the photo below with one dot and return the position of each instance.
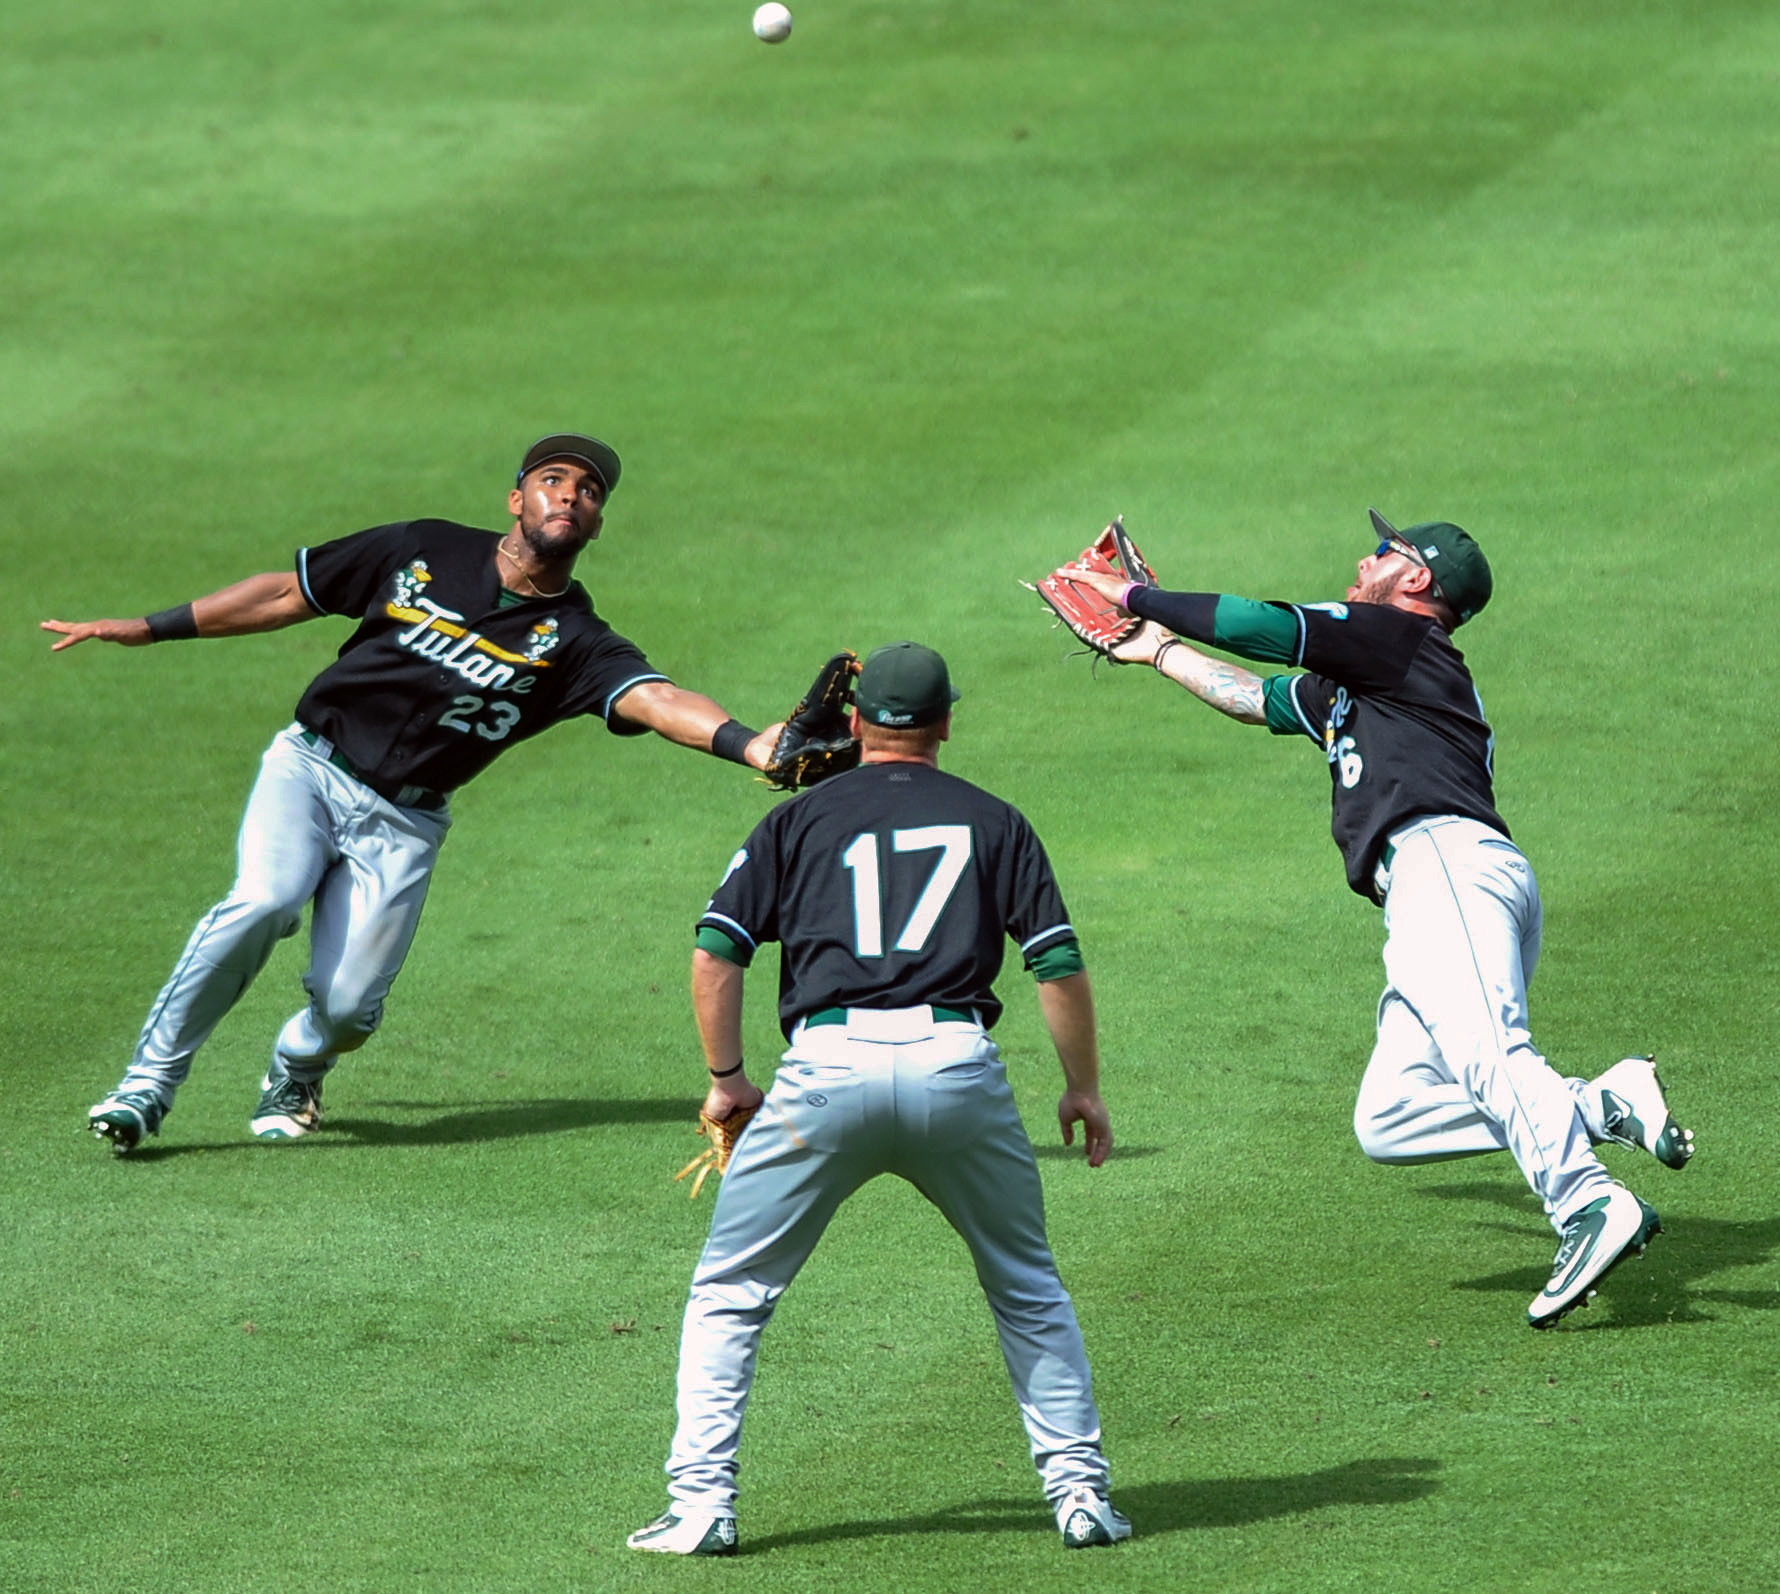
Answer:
(1661, 1287)
(1161, 1507)
(463, 1124)
(1056, 1151)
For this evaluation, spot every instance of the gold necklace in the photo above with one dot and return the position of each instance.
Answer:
(525, 576)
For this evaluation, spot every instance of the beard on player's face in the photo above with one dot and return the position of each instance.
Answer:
(553, 533)
(1377, 580)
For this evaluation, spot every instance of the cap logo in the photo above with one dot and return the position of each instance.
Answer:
(885, 717)
(1432, 550)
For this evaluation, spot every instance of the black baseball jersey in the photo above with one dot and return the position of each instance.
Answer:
(890, 886)
(441, 677)
(1392, 705)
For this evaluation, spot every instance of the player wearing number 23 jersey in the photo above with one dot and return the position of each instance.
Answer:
(893, 891)
(467, 642)
(1389, 700)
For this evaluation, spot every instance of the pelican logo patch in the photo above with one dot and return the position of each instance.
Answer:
(409, 582)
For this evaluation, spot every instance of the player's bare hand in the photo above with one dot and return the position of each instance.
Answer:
(1112, 588)
(1141, 646)
(127, 633)
(738, 1093)
(759, 752)
(1088, 1110)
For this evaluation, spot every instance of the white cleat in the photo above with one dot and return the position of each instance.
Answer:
(1601, 1236)
(1636, 1113)
(1085, 1518)
(687, 1533)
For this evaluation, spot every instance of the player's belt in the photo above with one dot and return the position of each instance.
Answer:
(838, 1015)
(423, 797)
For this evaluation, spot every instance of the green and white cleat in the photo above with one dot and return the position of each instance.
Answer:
(288, 1109)
(1085, 1518)
(126, 1118)
(1601, 1236)
(687, 1533)
(1636, 1112)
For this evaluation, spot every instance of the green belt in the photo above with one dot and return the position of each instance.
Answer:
(838, 1015)
(423, 797)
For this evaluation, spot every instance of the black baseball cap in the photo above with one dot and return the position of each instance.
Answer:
(903, 686)
(1452, 554)
(600, 458)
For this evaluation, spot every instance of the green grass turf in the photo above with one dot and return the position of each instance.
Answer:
(881, 320)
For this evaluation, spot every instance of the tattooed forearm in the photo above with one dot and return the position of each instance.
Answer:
(1228, 688)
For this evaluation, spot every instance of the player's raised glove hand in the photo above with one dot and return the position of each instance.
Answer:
(1084, 594)
(817, 740)
(729, 1107)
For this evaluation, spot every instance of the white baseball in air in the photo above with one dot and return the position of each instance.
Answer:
(772, 23)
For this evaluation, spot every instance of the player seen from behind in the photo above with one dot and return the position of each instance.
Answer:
(891, 890)
(467, 642)
(1390, 701)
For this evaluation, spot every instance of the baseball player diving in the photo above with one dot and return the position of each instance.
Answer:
(1389, 700)
(890, 889)
(466, 643)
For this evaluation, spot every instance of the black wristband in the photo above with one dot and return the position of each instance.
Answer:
(730, 740)
(173, 625)
(724, 1073)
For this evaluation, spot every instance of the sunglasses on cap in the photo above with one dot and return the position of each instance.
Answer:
(1408, 550)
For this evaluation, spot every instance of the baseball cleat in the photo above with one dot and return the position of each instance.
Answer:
(1595, 1242)
(1636, 1112)
(687, 1533)
(125, 1116)
(1085, 1518)
(288, 1108)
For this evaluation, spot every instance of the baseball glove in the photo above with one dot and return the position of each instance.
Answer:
(1097, 621)
(723, 1133)
(816, 741)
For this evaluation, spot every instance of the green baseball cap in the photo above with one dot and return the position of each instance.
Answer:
(1452, 554)
(904, 685)
(600, 458)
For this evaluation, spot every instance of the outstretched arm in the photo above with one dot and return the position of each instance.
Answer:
(1068, 1008)
(690, 719)
(267, 602)
(1227, 687)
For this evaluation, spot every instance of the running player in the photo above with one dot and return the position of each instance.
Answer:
(1391, 703)
(892, 890)
(467, 643)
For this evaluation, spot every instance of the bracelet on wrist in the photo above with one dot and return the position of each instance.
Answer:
(1162, 653)
(178, 624)
(724, 1073)
(730, 740)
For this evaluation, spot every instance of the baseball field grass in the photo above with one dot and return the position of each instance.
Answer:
(882, 320)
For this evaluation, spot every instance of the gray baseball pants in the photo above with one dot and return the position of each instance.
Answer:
(311, 833)
(1455, 1071)
(887, 1092)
